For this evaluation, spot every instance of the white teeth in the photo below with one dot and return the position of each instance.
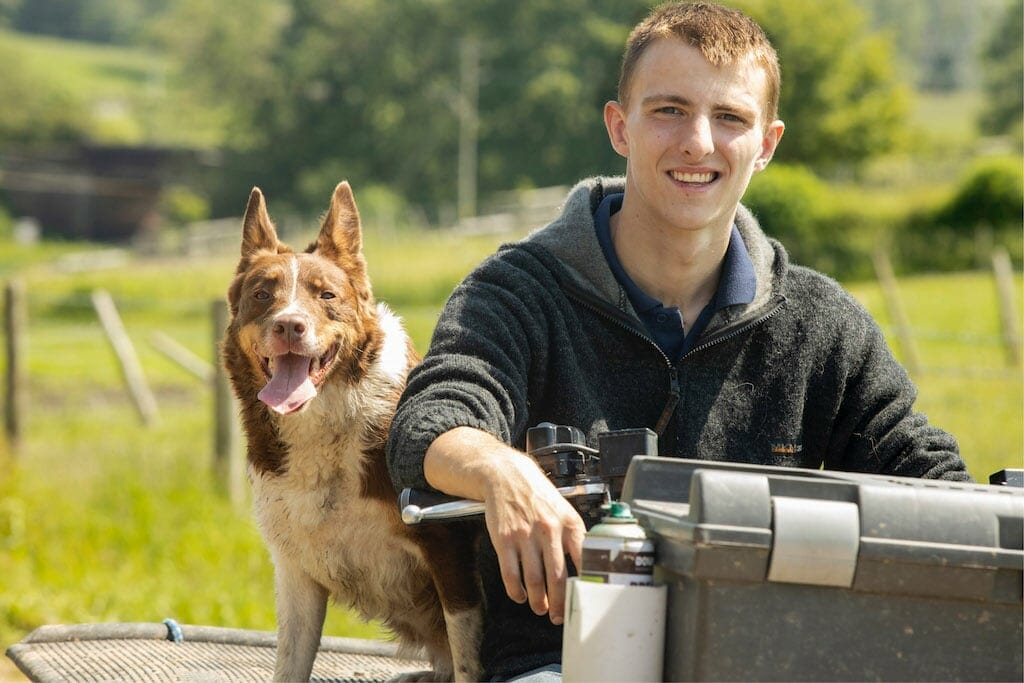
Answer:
(693, 177)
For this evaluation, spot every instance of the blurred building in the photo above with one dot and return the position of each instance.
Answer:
(96, 193)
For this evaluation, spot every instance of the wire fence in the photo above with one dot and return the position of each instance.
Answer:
(96, 313)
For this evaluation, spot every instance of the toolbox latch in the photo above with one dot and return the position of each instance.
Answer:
(814, 541)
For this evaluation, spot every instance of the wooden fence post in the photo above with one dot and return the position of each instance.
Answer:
(904, 334)
(1003, 270)
(181, 355)
(227, 455)
(14, 328)
(145, 402)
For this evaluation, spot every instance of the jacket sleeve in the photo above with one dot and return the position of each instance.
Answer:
(877, 429)
(475, 373)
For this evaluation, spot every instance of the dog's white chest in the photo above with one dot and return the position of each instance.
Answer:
(315, 518)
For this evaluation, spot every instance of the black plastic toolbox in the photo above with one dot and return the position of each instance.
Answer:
(784, 574)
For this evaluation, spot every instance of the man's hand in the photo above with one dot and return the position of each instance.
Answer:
(532, 527)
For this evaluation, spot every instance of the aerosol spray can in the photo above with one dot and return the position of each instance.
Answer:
(617, 551)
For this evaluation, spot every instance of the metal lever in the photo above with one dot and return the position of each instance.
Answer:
(458, 508)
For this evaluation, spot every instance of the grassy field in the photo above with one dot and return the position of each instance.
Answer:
(128, 94)
(102, 519)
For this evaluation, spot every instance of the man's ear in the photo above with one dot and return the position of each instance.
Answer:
(769, 143)
(615, 122)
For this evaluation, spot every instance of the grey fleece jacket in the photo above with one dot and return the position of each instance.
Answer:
(542, 331)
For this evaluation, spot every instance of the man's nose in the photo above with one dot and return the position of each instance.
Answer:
(697, 141)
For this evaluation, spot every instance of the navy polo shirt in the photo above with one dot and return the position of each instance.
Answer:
(665, 325)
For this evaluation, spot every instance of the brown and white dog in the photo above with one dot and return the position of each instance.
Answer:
(318, 367)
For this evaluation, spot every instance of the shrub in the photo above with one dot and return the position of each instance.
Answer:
(794, 206)
(985, 210)
(788, 201)
(38, 109)
(992, 195)
(6, 224)
(179, 205)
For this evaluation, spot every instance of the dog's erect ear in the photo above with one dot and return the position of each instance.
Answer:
(258, 232)
(341, 233)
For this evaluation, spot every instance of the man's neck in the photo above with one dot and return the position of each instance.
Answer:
(680, 268)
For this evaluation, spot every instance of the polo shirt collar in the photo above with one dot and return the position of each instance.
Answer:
(737, 284)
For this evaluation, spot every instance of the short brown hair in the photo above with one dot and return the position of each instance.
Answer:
(722, 35)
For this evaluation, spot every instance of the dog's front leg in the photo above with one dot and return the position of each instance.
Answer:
(301, 607)
(465, 628)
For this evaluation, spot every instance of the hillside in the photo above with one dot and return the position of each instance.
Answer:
(126, 94)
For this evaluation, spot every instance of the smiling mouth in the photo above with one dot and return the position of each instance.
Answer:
(318, 367)
(703, 178)
(292, 379)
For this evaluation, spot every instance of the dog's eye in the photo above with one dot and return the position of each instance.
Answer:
(261, 295)
(327, 295)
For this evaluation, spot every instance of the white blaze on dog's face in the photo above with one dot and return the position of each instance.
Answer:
(298, 313)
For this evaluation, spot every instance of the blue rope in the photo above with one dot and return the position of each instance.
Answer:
(174, 633)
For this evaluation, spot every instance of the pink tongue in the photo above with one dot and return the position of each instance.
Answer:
(290, 387)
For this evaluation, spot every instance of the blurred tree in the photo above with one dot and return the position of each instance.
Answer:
(225, 51)
(1003, 59)
(991, 194)
(944, 63)
(45, 113)
(791, 202)
(841, 99)
(937, 41)
(103, 21)
(544, 91)
(369, 90)
(8, 9)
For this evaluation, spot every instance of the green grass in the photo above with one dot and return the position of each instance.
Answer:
(128, 94)
(947, 116)
(966, 385)
(91, 69)
(102, 519)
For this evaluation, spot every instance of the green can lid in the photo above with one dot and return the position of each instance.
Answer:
(618, 510)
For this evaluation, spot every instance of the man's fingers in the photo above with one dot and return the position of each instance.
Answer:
(508, 562)
(574, 544)
(534, 579)
(533, 528)
(554, 564)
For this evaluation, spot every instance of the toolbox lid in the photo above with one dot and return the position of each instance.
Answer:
(877, 533)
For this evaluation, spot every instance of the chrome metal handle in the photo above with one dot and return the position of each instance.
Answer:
(458, 508)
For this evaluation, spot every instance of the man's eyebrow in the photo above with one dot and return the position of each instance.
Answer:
(739, 109)
(732, 108)
(666, 99)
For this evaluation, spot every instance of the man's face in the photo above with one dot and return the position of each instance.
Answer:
(693, 135)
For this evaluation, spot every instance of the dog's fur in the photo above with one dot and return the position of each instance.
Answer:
(322, 495)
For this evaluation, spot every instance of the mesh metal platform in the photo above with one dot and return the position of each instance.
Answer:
(158, 652)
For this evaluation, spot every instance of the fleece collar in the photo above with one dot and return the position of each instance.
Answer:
(571, 239)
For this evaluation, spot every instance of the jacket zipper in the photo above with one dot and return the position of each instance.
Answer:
(675, 391)
(728, 333)
(673, 401)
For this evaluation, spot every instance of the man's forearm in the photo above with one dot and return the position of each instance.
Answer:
(532, 527)
(468, 462)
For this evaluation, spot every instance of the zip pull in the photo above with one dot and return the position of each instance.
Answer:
(673, 401)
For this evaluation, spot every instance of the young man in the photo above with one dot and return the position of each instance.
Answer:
(653, 301)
